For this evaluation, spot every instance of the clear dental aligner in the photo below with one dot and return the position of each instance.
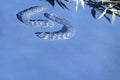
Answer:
(66, 32)
(24, 15)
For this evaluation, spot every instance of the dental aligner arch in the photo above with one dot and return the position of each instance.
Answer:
(66, 32)
(24, 15)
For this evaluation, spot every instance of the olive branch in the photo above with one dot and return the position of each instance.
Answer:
(104, 6)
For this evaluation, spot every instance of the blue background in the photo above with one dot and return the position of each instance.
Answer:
(92, 54)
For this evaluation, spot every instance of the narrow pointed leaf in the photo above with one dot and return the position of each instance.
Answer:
(93, 12)
(52, 2)
(104, 12)
(61, 4)
(113, 17)
(64, 5)
(107, 18)
(82, 3)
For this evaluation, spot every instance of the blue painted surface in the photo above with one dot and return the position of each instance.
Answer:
(92, 54)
